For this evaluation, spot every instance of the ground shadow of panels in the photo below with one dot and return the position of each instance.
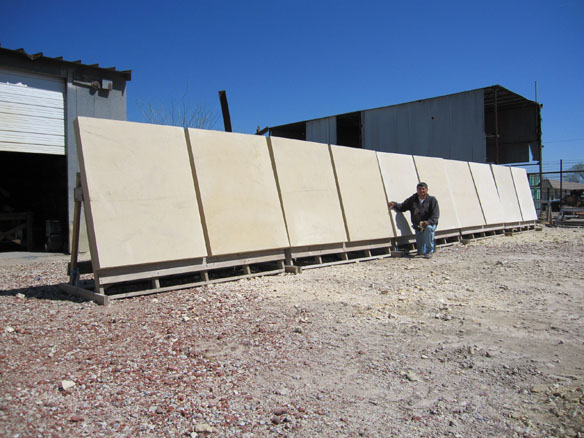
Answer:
(487, 192)
(400, 180)
(507, 194)
(433, 172)
(139, 195)
(523, 190)
(238, 193)
(308, 190)
(362, 194)
(463, 191)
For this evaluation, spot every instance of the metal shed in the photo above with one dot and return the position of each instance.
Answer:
(486, 125)
(40, 97)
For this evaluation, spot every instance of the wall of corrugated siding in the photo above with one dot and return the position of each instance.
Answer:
(82, 101)
(31, 113)
(322, 130)
(450, 127)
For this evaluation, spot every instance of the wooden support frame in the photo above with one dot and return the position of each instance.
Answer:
(343, 250)
(160, 277)
(512, 226)
(154, 280)
(155, 277)
(481, 232)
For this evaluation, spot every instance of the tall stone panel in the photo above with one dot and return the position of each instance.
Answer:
(139, 195)
(487, 192)
(310, 199)
(362, 194)
(464, 192)
(507, 193)
(524, 196)
(400, 180)
(237, 192)
(432, 171)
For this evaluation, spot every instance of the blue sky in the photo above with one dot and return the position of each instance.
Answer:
(283, 61)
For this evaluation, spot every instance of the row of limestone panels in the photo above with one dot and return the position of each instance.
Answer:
(153, 195)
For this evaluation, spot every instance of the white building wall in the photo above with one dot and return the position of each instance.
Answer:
(32, 113)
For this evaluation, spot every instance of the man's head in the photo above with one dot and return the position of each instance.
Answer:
(422, 189)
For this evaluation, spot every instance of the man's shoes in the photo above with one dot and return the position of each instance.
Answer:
(428, 256)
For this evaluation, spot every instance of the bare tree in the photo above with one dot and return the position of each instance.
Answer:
(578, 175)
(183, 113)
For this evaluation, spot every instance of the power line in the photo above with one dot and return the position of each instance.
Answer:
(563, 141)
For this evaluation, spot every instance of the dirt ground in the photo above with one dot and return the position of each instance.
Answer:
(484, 340)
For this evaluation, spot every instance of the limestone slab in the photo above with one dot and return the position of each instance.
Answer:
(507, 193)
(238, 193)
(464, 193)
(399, 179)
(487, 192)
(139, 196)
(362, 194)
(308, 190)
(432, 171)
(523, 191)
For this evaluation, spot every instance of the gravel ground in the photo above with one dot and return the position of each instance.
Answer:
(485, 339)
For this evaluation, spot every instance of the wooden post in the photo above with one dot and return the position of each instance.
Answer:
(288, 257)
(78, 196)
(225, 110)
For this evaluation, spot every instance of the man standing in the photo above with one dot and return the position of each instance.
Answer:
(425, 213)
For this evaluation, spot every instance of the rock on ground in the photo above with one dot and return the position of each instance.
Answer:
(485, 339)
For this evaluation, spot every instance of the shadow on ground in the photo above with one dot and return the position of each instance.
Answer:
(45, 292)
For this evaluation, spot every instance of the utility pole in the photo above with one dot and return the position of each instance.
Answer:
(561, 179)
(538, 118)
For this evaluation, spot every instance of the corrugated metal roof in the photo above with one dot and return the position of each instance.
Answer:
(126, 74)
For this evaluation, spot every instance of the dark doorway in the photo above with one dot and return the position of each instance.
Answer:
(349, 130)
(35, 183)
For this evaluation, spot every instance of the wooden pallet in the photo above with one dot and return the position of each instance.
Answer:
(518, 227)
(132, 283)
(309, 257)
(481, 232)
(443, 241)
(129, 281)
(512, 226)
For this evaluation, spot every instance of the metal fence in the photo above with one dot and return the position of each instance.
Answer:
(553, 182)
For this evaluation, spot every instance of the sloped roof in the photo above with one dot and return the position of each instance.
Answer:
(505, 99)
(125, 74)
(566, 185)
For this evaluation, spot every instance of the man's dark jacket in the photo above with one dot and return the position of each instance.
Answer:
(425, 211)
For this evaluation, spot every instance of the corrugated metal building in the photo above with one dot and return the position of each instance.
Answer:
(39, 99)
(489, 124)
